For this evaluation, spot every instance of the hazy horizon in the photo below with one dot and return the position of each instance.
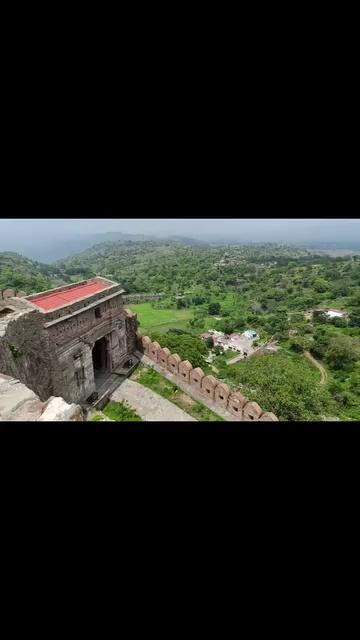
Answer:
(49, 239)
(258, 228)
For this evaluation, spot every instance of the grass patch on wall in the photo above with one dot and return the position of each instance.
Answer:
(156, 382)
(15, 352)
(121, 412)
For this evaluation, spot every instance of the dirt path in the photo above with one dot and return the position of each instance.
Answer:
(318, 365)
(149, 405)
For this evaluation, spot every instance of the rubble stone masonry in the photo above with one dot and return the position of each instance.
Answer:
(52, 350)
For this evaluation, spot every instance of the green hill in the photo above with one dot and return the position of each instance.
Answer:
(28, 275)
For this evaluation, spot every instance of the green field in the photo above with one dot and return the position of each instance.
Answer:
(160, 320)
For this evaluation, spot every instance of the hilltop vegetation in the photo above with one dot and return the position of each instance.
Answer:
(17, 272)
(171, 266)
(279, 291)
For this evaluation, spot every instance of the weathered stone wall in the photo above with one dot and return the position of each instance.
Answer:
(74, 378)
(25, 353)
(77, 324)
(131, 329)
(53, 356)
(217, 391)
(73, 372)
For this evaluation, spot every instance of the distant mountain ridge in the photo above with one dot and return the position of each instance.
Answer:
(54, 249)
(51, 249)
(196, 242)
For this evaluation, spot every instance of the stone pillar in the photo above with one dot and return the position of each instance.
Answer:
(110, 343)
(131, 325)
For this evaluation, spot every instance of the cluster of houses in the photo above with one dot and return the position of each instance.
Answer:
(242, 343)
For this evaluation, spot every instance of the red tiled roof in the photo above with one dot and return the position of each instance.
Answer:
(56, 299)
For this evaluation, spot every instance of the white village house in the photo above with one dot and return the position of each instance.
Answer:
(242, 343)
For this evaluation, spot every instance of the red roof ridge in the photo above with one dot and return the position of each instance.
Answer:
(54, 299)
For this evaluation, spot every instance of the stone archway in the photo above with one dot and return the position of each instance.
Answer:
(101, 359)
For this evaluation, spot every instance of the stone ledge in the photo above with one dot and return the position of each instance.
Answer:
(20, 404)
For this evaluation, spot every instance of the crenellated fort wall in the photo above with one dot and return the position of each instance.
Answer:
(208, 386)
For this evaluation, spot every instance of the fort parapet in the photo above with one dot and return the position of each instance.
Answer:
(208, 386)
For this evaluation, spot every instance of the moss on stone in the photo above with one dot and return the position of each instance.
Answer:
(15, 352)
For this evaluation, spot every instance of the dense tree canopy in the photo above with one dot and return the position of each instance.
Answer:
(288, 387)
(17, 272)
(342, 352)
(186, 346)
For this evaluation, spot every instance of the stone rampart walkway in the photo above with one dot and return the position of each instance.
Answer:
(189, 389)
(149, 405)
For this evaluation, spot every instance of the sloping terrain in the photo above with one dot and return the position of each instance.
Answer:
(18, 272)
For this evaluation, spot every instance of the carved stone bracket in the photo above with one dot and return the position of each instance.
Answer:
(87, 342)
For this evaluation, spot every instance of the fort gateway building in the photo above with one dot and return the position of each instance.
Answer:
(66, 341)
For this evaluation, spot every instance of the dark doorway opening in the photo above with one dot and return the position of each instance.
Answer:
(99, 355)
(101, 364)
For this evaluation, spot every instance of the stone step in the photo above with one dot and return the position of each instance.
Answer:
(126, 371)
(111, 384)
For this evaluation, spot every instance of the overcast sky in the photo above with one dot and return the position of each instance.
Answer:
(256, 229)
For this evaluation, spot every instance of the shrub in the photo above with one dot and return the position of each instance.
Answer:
(339, 322)
(299, 345)
(319, 317)
(121, 412)
(354, 319)
(186, 346)
(214, 309)
(342, 352)
(15, 352)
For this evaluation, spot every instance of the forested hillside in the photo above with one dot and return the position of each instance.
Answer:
(174, 265)
(28, 275)
(279, 291)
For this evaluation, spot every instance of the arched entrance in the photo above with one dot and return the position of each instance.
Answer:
(99, 355)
